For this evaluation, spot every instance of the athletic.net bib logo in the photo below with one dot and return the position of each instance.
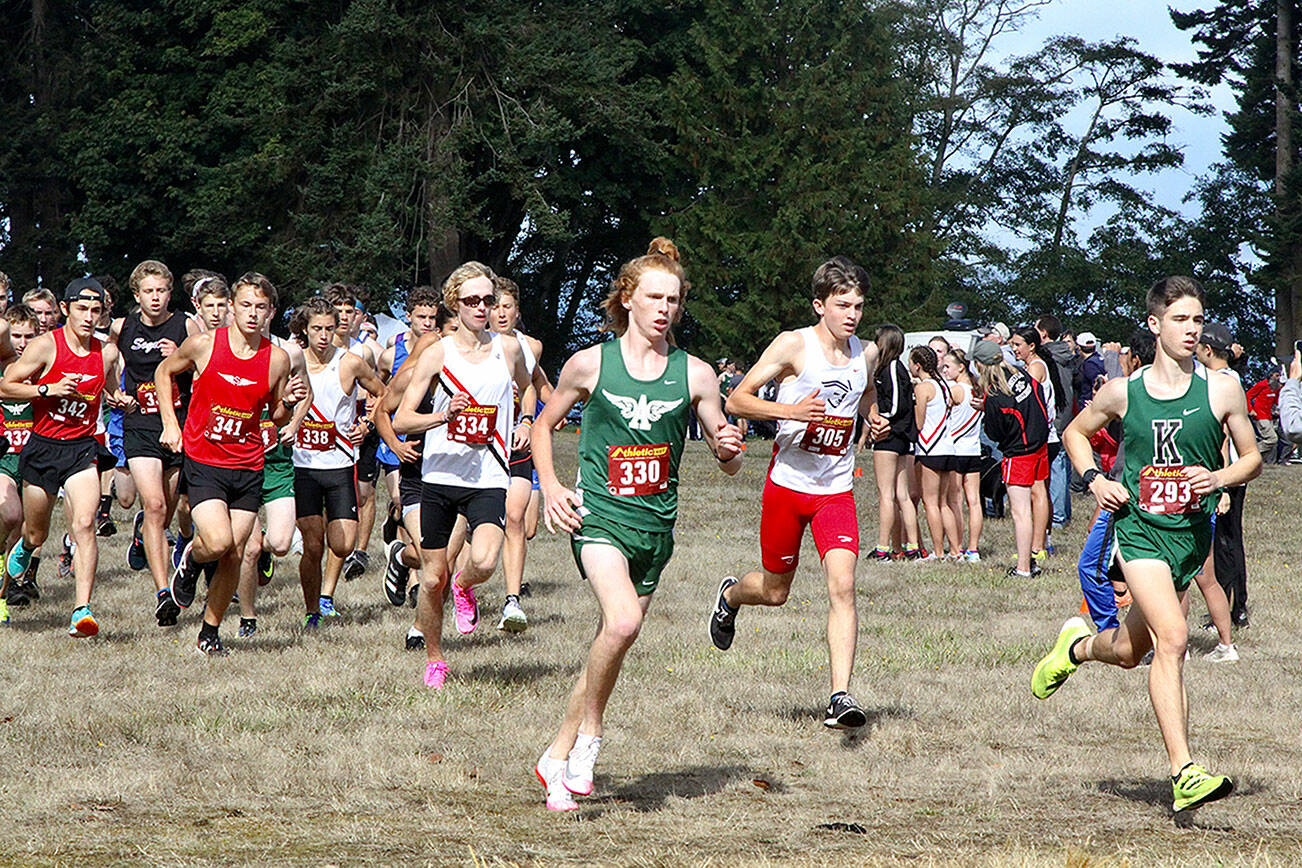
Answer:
(639, 412)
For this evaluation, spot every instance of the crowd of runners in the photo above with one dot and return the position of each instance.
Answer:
(234, 446)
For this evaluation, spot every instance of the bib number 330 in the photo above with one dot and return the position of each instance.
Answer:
(637, 470)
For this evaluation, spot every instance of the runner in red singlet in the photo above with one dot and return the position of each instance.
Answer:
(69, 367)
(238, 373)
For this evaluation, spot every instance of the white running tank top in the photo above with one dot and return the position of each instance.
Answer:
(1050, 400)
(471, 451)
(964, 421)
(322, 441)
(818, 457)
(933, 435)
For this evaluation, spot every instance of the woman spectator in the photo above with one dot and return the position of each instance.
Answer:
(932, 400)
(893, 452)
(1028, 346)
(965, 430)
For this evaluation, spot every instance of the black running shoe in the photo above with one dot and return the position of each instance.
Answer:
(355, 565)
(248, 626)
(16, 596)
(185, 578)
(412, 590)
(106, 526)
(28, 583)
(389, 532)
(843, 713)
(136, 551)
(211, 646)
(723, 620)
(312, 621)
(525, 590)
(395, 574)
(266, 568)
(879, 555)
(65, 558)
(166, 611)
(915, 554)
(415, 639)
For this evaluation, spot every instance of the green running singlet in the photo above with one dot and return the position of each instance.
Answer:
(631, 442)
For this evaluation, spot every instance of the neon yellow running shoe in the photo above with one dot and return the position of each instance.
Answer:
(1040, 556)
(4, 611)
(1195, 786)
(1054, 667)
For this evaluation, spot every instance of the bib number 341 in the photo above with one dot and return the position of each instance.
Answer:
(1166, 491)
(637, 470)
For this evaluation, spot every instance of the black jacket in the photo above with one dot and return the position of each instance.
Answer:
(1018, 423)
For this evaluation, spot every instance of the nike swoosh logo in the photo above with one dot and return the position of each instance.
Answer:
(786, 559)
(671, 382)
(1191, 410)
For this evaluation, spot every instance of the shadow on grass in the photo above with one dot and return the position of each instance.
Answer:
(519, 673)
(851, 739)
(1157, 793)
(650, 792)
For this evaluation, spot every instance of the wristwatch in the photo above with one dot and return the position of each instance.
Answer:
(1088, 476)
(43, 390)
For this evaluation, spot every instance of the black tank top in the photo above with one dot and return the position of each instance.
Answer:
(141, 356)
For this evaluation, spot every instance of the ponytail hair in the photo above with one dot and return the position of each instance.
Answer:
(890, 344)
(661, 255)
(925, 358)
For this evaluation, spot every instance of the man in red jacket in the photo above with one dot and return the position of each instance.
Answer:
(1261, 407)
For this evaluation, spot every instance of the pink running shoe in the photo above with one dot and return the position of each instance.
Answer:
(466, 607)
(549, 772)
(436, 672)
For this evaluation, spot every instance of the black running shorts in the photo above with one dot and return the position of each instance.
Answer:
(522, 465)
(330, 491)
(894, 443)
(440, 505)
(368, 466)
(144, 443)
(239, 487)
(48, 463)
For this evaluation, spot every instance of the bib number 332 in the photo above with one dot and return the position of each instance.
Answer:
(637, 470)
(1166, 491)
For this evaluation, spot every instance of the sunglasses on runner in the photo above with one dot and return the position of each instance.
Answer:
(477, 300)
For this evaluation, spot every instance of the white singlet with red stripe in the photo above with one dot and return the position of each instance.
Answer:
(933, 436)
(818, 457)
(964, 421)
(322, 441)
(471, 451)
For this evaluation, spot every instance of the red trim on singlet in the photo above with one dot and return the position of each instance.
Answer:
(78, 416)
(241, 387)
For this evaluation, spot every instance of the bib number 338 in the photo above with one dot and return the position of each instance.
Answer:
(637, 470)
(1166, 491)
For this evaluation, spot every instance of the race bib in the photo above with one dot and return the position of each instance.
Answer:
(473, 426)
(147, 398)
(830, 436)
(1166, 491)
(315, 435)
(17, 433)
(227, 425)
(73, 409)
(270, 435)
(635, 470)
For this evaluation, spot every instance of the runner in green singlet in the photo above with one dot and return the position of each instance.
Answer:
(637, 393)
(1172, 416)
(16, 422)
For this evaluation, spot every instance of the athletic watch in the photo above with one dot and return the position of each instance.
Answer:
(43, 390)
(1088, 476)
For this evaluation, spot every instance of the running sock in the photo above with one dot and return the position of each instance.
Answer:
(105, 504)
(1071, 652)
(207, 631)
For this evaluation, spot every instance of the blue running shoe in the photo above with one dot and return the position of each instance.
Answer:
(312, 621)
(83, 624)
(178, 549)
(136, 551)
(327, 606)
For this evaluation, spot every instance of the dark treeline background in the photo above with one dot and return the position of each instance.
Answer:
(381, 143)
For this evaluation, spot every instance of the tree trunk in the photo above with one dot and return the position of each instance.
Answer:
(1288, 290)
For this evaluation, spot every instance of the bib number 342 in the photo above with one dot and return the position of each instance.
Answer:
(1166, 491)
(637, 470)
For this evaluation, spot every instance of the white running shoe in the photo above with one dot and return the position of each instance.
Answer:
(514, 619)
(549, 772)
(1222, 654)
(578, 768)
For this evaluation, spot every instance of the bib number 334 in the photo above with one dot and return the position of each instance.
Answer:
(1166, 491)
(637, 470)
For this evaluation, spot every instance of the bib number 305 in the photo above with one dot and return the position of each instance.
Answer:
(637, 470)
(1166, 491)
(830, 436)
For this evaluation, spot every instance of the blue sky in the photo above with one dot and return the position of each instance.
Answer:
(1149, 23)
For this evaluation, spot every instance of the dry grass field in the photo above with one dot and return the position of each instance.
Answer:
(326, 748)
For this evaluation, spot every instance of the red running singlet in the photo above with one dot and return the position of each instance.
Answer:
(222, 428)
(76, 415)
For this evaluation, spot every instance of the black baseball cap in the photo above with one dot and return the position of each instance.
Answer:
(1216, 336)
(84, 289)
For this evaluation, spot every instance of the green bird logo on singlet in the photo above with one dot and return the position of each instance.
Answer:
(640, 412)
(1165, 451)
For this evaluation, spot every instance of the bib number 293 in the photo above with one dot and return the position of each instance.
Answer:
(637, 470)
(1166, 491)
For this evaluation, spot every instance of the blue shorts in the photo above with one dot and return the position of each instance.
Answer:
(1093, 568)
(385, 456)
(113, 427)
(535, 480)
